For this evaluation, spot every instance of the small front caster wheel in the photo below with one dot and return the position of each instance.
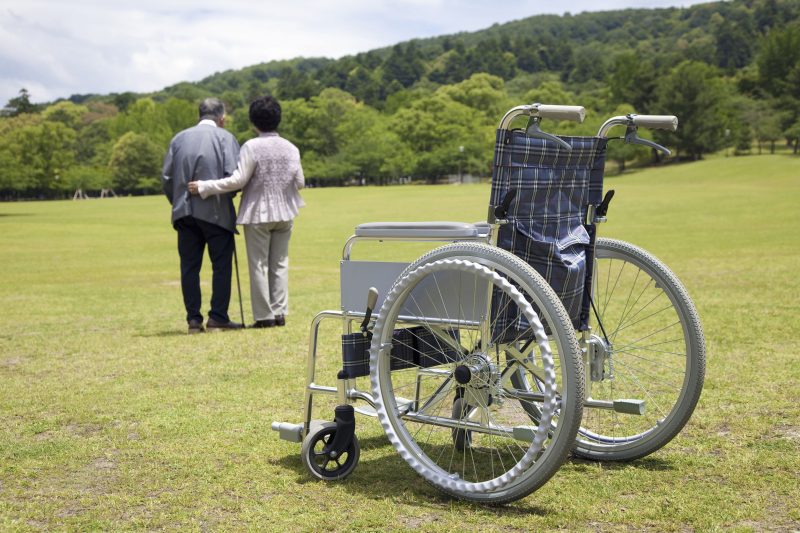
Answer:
(320, 463)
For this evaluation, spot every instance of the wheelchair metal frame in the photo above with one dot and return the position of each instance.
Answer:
(381, 274)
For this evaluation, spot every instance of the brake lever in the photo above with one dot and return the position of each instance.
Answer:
(632, 137)
(533, 130)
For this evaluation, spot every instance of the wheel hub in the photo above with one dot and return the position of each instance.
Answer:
(599, 352)
(474, 375)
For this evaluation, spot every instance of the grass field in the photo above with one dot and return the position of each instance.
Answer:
(111, 417)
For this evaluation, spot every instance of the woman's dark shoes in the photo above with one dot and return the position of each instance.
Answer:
(269, 323)
(280, 320)
(214, 325)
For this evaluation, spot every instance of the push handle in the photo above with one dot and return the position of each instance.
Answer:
(574, 113)
(656, 122)
(372, 299)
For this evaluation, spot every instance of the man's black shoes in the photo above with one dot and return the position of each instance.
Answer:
(195, 326)
(213, 325)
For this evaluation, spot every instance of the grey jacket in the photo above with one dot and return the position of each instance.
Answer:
(204, 152)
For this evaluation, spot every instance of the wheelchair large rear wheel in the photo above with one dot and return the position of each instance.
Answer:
(445, 372)
(646, 336)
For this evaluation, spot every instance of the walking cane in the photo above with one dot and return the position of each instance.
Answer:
(238, 285)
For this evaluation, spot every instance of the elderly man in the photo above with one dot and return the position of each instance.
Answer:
(203, 152)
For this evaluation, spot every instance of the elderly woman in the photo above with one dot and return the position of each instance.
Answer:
(270, 176)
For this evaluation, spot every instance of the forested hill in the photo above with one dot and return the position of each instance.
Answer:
(427, 108)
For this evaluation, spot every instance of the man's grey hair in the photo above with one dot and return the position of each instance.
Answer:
(212, 108)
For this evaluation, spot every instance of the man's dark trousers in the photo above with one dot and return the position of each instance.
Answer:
(193, 236)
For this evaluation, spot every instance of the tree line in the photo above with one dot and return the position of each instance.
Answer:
(428, 108)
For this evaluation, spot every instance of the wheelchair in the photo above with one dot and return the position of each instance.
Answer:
(517, 342)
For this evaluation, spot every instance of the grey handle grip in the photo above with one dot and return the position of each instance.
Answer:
(574, 113)
(372, 298)
(656, 122)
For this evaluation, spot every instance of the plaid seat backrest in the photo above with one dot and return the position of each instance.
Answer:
(546, 219)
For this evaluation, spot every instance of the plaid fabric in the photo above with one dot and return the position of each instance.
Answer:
(554, 188)
(411, 347)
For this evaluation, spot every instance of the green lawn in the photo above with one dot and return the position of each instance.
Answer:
(111, 417)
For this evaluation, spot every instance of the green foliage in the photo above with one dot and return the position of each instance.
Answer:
(67, 113)
(633, 80)
(779, 62)
(695, 93)
(22, 103)
(39, 155)
(729, 70)
(86, 178)
(135, 164)
(146, 117)
(436, 128)
(793, 136)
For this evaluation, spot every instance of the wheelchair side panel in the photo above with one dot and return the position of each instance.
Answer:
(356, 277)
(439, 298)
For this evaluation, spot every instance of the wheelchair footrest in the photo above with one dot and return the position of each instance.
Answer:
(290, 432)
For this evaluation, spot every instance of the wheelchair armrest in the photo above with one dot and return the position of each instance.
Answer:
(419, 230)
(483, 228)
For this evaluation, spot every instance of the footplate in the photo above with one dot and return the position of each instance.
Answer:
(290, 432)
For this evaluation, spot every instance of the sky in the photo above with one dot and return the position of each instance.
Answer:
(57, 48)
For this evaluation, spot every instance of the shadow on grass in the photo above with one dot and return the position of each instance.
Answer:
(388, 476)
(16, 214)
(164, 334)
(651, 464)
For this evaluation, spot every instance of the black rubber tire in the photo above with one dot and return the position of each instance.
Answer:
(317, 464)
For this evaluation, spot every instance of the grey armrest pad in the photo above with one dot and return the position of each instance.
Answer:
(412, 230)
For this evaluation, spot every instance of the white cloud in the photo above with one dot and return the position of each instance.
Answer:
(56, 48)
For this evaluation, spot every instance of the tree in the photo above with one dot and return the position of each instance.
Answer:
(482, 92)
(86, 178)
(632, 80)
(147, 117)
(42, 153)
(296, 84)
(135, 164)
(435, 127)
(403, 64)
(363, 86)
(699, 98)
(734, 44)
(22, 103)
(369, 150)
(779, 62)
(180, 114)
(793, 135)
(67, 113)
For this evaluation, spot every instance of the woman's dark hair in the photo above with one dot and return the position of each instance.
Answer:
(265, 113)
